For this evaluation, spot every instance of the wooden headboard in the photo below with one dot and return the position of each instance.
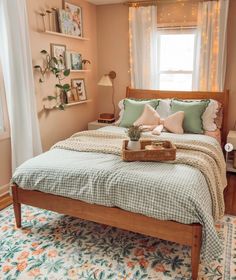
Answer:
(222, 97)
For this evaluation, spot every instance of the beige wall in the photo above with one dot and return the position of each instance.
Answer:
(56, 125)
(231, 63)
(113, 40)
(113, 51)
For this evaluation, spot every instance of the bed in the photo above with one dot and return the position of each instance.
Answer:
(169, 228)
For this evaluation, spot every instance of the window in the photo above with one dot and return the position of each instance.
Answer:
(4, 125)
(176, 56)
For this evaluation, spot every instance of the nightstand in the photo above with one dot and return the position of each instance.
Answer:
(230, 191)
(96, 125)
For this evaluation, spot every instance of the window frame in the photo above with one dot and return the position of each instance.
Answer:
(174, 31)
(6, 128)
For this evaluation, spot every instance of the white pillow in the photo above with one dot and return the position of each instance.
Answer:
(164, 109)
(209, 116)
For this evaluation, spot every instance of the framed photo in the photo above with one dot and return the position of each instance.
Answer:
(76, 61)
(75, 14)
(66, 25)
(59, 52)
(79, 86)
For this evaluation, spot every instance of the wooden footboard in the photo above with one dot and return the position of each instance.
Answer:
(190, 235)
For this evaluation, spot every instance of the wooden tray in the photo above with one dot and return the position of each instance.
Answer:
(167, 153)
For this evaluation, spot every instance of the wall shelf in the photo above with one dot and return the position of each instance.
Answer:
(68, 105)
(65, 35)
(80, 71)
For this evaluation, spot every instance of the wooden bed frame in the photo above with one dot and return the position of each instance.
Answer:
(187, 234)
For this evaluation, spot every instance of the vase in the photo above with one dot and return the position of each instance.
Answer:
(64, 97)
(134, 145)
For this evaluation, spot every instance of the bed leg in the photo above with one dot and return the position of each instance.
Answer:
(16, 206)
(196, 249)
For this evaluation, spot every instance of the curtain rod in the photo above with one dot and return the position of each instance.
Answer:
(155, 2)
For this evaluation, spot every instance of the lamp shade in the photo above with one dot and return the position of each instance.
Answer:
(105, 81)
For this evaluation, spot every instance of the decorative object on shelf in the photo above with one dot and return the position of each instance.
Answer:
(49, 13)
(55, 23)
(134, 133)
(59, 52)
(75, 61)
(85, 64)
(75, 13)
(43, 15)
(65, 22)
(107, 80)
(78, 85)
(52, 65)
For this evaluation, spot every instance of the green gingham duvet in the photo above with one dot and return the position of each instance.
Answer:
(161, 190)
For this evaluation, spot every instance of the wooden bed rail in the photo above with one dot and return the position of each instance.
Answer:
(190, 235)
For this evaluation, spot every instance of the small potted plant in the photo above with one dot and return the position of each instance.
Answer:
(134, 134)
(85, 64)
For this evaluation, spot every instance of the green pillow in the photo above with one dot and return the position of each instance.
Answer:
(193, 111)
(133, 109)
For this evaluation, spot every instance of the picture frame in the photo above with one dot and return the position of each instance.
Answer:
(65, 22)
(76, 61)
(59, 52)
(78, 85)
(74, 12)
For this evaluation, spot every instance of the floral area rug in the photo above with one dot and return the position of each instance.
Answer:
(53, 246)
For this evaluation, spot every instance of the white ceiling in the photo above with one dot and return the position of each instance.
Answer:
(104, 2)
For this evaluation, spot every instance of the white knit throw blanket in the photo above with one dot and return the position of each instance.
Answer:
(206, 157)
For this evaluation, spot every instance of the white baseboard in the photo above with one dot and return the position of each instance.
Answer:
(4, 189)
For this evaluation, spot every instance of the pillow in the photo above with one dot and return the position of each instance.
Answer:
(210, 115)
(148, 117)
(193, 111)
(163, 108)
(133, 109)
(151, 120)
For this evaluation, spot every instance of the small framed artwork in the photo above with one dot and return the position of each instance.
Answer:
(75, 14)
(66, 25)
(76, 61)
(59, 52)
(79, 86)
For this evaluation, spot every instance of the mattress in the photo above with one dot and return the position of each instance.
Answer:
(163, 191)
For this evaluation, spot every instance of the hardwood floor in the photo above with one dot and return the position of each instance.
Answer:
(5, 201)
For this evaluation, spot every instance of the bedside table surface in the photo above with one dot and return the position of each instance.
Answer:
(96, 125)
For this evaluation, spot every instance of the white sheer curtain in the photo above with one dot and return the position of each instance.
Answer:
(18, 77)
(143, 47)
(212, 27)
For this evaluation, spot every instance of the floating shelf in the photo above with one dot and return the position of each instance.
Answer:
(80, 71)
(68, 105)
(65, 35)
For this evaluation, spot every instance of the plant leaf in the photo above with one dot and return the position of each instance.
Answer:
(40, 80)
(37, 67)
(61, 107)
(66, 72)
(66, 87)
(51, 97)
(54, 60)
(43, 52)
(59, 86)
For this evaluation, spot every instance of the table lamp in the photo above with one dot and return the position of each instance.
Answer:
(107, 80)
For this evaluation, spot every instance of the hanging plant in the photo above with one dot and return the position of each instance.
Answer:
(53, 65)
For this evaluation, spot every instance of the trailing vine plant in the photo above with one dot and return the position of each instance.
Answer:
(54, 66)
